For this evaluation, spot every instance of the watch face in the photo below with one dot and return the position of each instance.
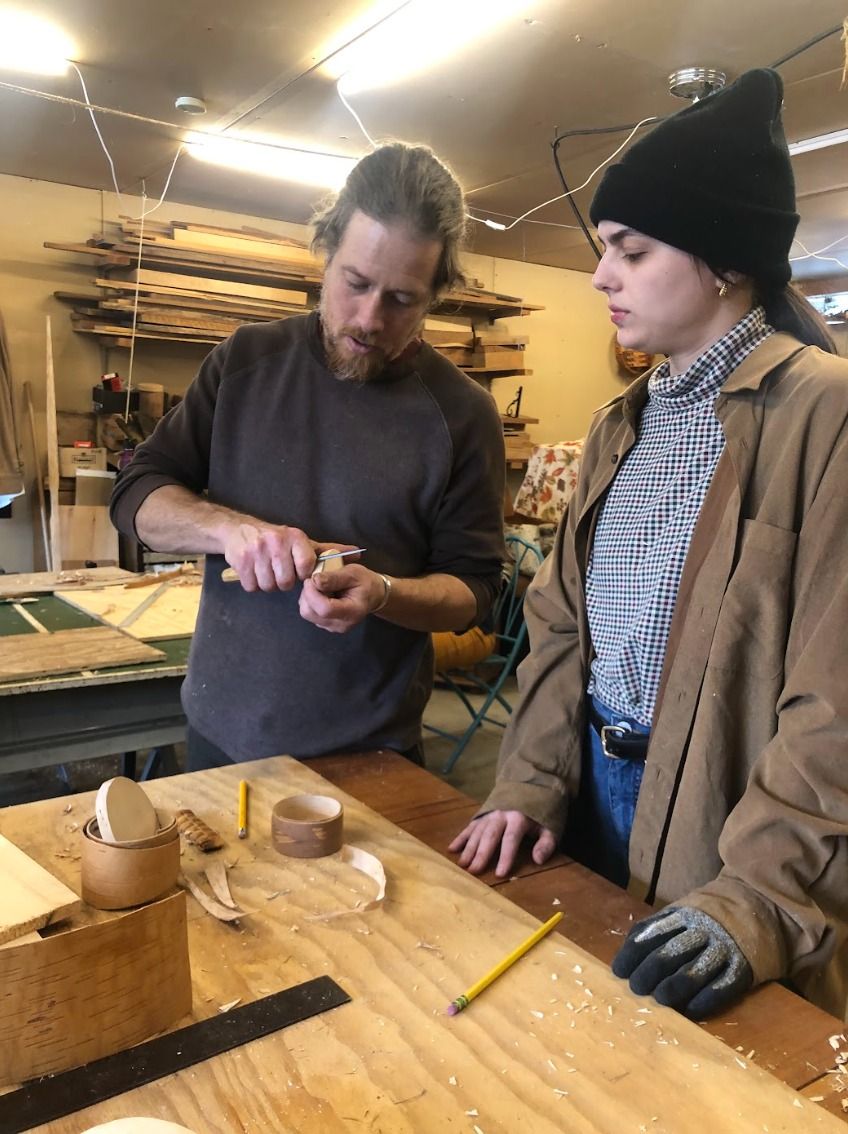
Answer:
(634, 362)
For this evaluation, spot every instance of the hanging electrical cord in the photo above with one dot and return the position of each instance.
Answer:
(356, 117)
(817, 255)
(144, 213)
(90, 110)
(506, 227)
(511, 216)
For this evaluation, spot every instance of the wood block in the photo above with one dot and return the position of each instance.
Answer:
(65, 651)
(86, 993)
(87, 536)
(32, 897)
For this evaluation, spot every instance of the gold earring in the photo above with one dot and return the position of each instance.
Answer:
(724, 289)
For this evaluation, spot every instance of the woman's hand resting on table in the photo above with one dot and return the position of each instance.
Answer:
(501, 833)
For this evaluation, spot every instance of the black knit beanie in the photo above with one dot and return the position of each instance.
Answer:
(715, 180)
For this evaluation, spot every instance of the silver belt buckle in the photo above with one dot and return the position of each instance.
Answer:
(616, 731)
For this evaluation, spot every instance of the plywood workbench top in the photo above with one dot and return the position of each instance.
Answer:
(556, 1044)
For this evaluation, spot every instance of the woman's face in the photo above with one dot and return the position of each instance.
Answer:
(662, 300)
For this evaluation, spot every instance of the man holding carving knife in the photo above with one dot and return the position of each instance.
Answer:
(331, 431)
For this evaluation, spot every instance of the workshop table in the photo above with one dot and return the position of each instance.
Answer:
(521, 1056)
(82, 715)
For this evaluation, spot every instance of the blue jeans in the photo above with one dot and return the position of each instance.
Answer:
(608, 795)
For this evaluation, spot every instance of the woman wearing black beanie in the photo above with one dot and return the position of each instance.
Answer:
(683, 725)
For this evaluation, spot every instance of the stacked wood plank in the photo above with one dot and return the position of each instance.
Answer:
(198, 283)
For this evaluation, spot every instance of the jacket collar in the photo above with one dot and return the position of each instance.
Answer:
(748, 375)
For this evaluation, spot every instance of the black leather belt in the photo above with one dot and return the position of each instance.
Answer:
(618, 741)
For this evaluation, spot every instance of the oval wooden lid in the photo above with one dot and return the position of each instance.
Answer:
(124, 813)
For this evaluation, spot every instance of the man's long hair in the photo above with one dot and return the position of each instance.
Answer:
(401, 184)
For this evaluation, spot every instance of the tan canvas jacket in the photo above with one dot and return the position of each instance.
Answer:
(743, 809)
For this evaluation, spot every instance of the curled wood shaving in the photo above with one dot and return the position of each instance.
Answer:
(216, 874)
(222, 913)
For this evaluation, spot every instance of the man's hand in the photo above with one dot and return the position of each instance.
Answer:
(686, 960)
(272, 557)
(339, 600)
(501, 832)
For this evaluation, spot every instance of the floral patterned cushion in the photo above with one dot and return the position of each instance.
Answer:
(550, 479)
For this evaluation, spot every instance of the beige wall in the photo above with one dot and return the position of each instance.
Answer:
(569, 349)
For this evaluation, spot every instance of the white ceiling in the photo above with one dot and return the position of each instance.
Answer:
(490, 109)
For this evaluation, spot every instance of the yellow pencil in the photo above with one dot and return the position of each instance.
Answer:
(242, 810)
(463, 1001)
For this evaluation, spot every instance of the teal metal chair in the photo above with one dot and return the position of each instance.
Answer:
(510, 635)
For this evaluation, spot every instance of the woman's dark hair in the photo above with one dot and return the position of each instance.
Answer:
(788, 310)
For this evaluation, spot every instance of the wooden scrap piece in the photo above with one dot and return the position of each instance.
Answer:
(32, 897)
(195, 831)
(66, 651)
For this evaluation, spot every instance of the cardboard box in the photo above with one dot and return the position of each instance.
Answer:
(94, 486)
(71, 458)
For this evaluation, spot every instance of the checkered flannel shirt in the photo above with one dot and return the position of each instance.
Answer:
(647, 519)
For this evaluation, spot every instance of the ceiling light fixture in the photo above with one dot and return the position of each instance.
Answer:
(306, 167)
(188, 104)
(415, 37)
(819, 143)
(33, 45)
(695, 83)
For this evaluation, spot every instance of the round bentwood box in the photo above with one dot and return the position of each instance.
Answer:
(117, 877)
(166, 832)
(307, 826)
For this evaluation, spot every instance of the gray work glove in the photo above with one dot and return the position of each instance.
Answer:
(686, 960)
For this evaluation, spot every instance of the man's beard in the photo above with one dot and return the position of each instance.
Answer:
(346, 366)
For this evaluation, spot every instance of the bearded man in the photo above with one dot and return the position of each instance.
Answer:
(337, 429)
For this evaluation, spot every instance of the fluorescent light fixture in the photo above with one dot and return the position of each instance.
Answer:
(819, 143)
(286, 163)
(415, 37)
(28, 43)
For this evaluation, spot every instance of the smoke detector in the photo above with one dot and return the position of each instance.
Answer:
(189, 105)
(695, 83)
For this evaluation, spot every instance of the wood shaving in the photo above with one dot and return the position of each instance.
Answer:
(562, 1094)
(473, 1113)
(429, 947)
(538, 1015)
(216, 874)
(741, 1063)
(817, 1098)
(797, 1102)
(556, 902)
(452, 1080)
(230, 1004)
(836, 1041)
(222, 913)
